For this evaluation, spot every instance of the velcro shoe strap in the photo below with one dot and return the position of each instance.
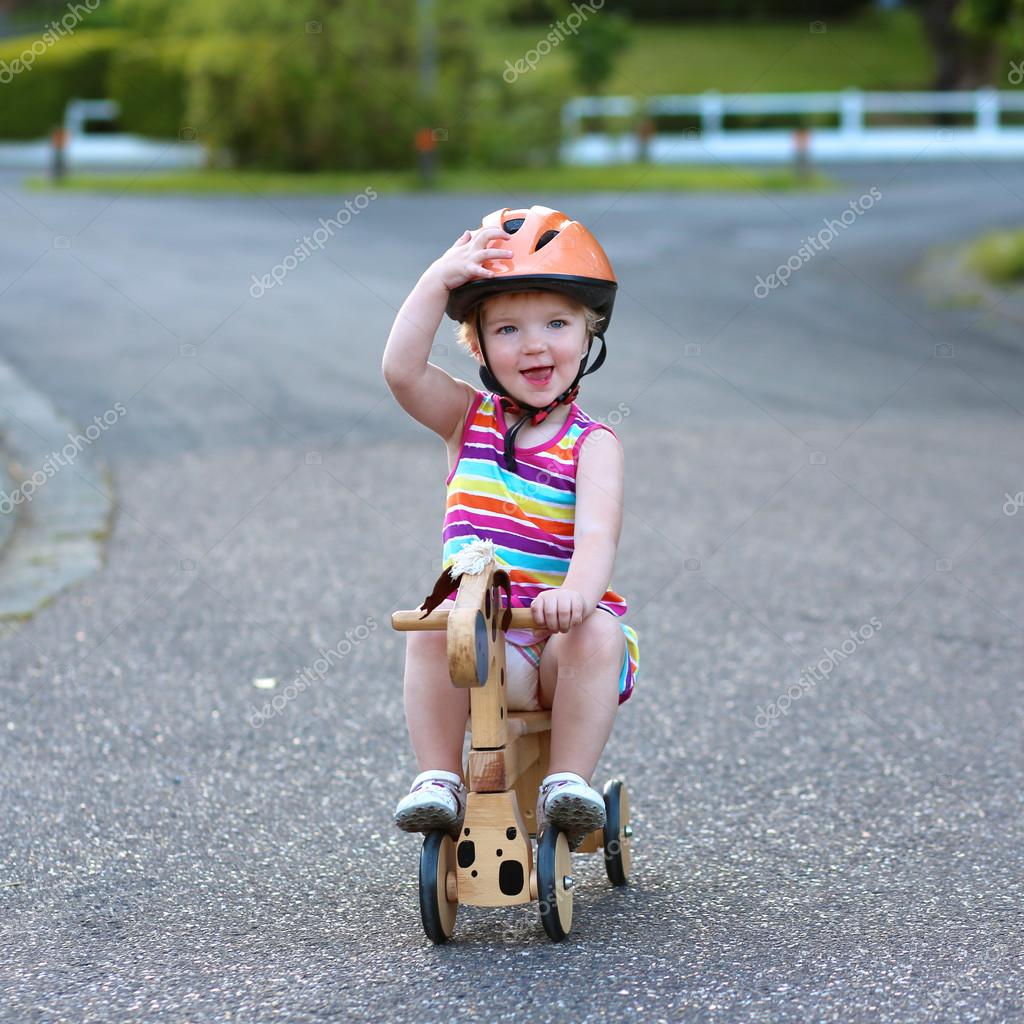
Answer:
(561, 778)
(436, 775)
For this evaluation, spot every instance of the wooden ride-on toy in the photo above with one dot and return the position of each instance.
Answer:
(492, 862)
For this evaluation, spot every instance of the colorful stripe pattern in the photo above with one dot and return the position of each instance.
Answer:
(529, 513)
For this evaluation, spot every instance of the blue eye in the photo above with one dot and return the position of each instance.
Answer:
(562, 322)
(507, 327)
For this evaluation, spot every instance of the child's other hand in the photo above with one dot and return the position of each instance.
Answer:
(464, 260)
(558, 610)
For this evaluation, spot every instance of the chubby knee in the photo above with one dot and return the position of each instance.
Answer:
(601, 625)
(599, 629)
(592, 651)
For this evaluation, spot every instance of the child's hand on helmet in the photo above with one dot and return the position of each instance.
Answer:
(558, 609)
(464, 260)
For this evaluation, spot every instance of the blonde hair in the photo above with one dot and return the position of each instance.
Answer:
(465, 332)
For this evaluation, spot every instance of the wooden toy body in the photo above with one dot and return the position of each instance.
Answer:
(505, 765)
(509, 752)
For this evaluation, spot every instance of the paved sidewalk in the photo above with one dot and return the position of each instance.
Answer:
(55, 502)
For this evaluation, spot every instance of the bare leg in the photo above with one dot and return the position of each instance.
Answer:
(435, 711)
(579, 681)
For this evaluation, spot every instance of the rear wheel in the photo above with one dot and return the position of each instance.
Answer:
(618, 832)
(554, 883)
(437, 859)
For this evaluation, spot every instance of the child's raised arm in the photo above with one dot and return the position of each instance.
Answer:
(424, 391)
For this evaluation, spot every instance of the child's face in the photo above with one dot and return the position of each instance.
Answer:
(534, 342)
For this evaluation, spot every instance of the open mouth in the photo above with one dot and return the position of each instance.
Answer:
(538, 375)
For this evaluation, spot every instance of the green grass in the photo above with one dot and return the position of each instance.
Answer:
(526, 183)
(999, 257)
(874, 51)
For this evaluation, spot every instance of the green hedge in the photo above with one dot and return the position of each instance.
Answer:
(149, 80)
(305, 108)
(287, 107)
(521, 125)
(35, 85)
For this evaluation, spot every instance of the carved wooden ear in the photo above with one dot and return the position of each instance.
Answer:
(500, 578)
(445, 584)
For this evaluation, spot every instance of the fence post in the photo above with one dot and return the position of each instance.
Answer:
(644, 134)
(58, 156)
(570, 119)
(801, 153)
(426, 144)
(986, 110)
(711, 110)
(851, 112)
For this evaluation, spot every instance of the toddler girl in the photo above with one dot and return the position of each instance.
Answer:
(530, 471)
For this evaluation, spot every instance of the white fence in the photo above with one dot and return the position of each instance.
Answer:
(854, 137)
(710, 140)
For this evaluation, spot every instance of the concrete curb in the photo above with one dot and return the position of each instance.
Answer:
(54, 536)
(7, 485)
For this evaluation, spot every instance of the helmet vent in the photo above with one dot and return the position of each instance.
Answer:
(544, 239)
(512, 226)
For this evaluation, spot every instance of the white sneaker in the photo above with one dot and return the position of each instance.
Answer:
(567, 801)
(437, 799)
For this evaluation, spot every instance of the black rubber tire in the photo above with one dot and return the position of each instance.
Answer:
(617, 859)
(437, 912)
(552, 859)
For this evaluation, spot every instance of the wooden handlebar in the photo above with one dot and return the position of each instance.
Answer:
(522, 618)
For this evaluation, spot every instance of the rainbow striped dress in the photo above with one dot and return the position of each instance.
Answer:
(529, 513)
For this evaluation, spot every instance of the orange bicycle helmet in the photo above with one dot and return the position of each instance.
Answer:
(550, 252)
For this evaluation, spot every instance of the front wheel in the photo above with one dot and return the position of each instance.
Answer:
(437, 860)
(554, 883)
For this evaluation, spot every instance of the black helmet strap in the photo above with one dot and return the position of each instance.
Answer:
(535, 414)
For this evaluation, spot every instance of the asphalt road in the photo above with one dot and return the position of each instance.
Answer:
(800, 465)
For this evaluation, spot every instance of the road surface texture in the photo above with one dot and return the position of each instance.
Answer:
(819, 836)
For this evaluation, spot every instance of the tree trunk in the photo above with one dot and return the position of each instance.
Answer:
(961, 62)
